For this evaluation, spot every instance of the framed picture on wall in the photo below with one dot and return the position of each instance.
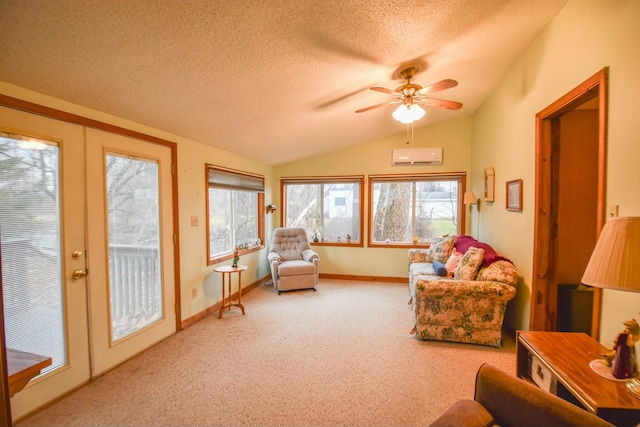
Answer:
(489, 181)
(514, 195)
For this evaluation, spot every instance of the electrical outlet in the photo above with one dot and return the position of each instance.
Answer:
(613, 211)
(194, 293)
(194, 221)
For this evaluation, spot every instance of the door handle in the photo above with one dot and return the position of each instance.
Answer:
(79, 274)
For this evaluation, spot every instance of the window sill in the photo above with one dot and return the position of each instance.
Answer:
(229, 255)
(343, 244)
(400, 245)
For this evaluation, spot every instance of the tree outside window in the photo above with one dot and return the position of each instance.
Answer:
(404, 208)
(234, 201)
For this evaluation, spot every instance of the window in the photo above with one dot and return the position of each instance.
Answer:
(403, 207)
(329, 209)
(234, 215)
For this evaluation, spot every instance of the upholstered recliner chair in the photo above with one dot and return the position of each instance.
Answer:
(294, 265)
(504, 400)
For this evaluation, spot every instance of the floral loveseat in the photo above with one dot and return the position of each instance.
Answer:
(468, 305)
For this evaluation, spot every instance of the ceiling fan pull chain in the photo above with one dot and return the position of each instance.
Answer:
(412, 135)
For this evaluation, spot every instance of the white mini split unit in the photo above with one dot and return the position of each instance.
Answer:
(417, 156)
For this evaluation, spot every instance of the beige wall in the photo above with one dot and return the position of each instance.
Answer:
(586, 36)
(194, 272)
(375, 158)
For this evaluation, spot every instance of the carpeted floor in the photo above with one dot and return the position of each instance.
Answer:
(341, 356)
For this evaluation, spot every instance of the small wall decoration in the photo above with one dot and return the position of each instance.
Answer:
(514, 195)
(489, 181)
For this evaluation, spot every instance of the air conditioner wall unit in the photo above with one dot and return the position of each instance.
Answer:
(417, 156)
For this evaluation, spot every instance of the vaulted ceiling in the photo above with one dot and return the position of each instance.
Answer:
(274, 80)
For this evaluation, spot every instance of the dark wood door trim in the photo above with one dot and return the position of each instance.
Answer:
(5, 406)
(41, 110)
(543, 296)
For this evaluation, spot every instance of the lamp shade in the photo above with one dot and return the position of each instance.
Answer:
(408, 113)
(469, 197)
(615, 261)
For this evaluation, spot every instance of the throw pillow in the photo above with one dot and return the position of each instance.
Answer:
(440, 249)
(438, 267)
(469, 264)
(452, 262)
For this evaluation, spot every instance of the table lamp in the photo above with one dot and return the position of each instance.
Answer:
(615, 264)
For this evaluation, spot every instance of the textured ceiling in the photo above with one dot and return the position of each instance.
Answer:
(274, 80)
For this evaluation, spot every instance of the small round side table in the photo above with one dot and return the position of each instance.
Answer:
(226, 270)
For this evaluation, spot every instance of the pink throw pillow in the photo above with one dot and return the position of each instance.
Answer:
(452, 262)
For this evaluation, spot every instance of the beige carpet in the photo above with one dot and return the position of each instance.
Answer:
(341, 356)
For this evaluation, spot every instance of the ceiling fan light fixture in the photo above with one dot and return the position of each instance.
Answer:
(408, 113)
(417, 112)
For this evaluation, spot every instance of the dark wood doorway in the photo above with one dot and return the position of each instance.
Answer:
(569, 197)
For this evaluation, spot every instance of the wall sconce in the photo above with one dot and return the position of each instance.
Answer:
(471, 199)
(271, 208)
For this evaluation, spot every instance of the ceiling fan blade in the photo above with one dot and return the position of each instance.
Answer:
(362, 110)
(436, 87)
(441, 103)
(384, 90)
(339, 99)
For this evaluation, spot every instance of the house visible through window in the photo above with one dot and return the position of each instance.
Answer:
(329, 208)
(234, 214)
(420, 206)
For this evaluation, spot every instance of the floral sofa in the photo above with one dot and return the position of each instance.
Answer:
(468, 304)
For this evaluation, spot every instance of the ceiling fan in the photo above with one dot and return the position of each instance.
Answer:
(410, 96)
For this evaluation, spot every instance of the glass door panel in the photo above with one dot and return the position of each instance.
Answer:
(31, 250)
(135, 278)
(42, 233)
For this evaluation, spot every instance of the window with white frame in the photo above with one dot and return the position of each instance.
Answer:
(328, 208)
(413, 209)
(234, 215)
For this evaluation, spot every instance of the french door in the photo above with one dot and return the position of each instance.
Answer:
(130, 242)
(87, 249)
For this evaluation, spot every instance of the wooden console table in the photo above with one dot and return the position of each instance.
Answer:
(561, 360)
(226, 270)
(23, 366)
